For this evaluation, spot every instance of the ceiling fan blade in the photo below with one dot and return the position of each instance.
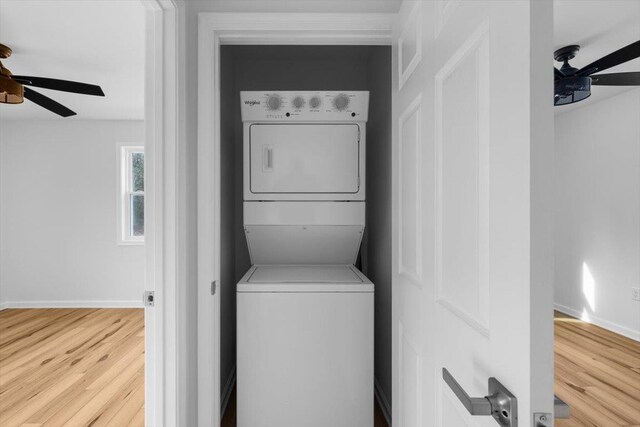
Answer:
(48, 103)
(62, 85)
(616, 79)
(620, 56)
(557, 73)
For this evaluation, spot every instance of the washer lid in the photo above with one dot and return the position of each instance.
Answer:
(304, 274)
(304, 278)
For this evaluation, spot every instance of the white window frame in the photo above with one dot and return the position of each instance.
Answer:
(125, 153)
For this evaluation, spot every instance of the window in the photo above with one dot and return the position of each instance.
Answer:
(131, 195)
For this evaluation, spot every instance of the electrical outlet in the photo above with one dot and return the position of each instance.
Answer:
(635, 294)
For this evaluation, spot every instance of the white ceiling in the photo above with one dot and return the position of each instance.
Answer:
(91, 41)
(102, 42)
(599, 27)
(295, 6)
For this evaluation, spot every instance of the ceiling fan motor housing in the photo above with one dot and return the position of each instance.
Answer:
(572, 89)
(574, 85)
(565, 54)
(11, 91)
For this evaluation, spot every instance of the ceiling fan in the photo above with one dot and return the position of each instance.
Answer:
(573, 84)
(12, 90)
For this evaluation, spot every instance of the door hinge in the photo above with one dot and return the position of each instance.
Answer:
(213, 287)
(148, 299)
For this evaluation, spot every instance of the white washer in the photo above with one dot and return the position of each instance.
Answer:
(305, 346)
(304, 312)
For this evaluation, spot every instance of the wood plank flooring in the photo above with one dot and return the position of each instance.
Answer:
(72, 367)
(85, 367)
(597, 373)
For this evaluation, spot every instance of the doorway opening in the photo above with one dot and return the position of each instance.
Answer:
(73, 230)
(302, 67)
(597, 207)
(157, 132)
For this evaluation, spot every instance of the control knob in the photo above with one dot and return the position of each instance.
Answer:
(341, 102)
(298, 102)
(315, 102)
(274, 102)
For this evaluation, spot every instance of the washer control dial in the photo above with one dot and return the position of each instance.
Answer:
(298, 102)
(315, 102)
(341, 102)
(274, 102)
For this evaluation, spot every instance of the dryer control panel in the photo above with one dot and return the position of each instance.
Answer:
(306, 106)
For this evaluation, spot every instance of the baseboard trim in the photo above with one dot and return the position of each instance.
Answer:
(226, 392)
(3, 306)
(605, 324)
(73, 304)
(382, 401)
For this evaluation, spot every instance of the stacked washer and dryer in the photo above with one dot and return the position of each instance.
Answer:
(304, 311)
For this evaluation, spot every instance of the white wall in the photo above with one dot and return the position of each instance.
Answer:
(58, 210)
(598, 212)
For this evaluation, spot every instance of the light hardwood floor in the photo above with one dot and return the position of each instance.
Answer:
(81, 367)
(72, 367)
(597, 374)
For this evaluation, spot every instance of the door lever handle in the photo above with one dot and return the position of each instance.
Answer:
(499, 403)
(475, 405)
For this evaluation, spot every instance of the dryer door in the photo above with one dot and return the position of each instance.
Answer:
(304, 158)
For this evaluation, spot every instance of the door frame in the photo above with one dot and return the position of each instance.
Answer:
(215, 29)
(164, 218)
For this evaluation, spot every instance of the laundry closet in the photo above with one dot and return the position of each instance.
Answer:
(305, 269)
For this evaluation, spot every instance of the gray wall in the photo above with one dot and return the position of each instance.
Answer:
(231, 218)
(376, 254)
(310, 68)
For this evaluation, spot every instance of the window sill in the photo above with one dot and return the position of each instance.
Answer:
(131, 243)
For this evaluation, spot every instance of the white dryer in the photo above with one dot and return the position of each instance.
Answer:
(304, 312)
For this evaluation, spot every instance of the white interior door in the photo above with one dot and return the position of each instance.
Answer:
(472, 224)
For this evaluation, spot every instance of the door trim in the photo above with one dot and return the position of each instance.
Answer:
(215, 29)
(164, 218)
